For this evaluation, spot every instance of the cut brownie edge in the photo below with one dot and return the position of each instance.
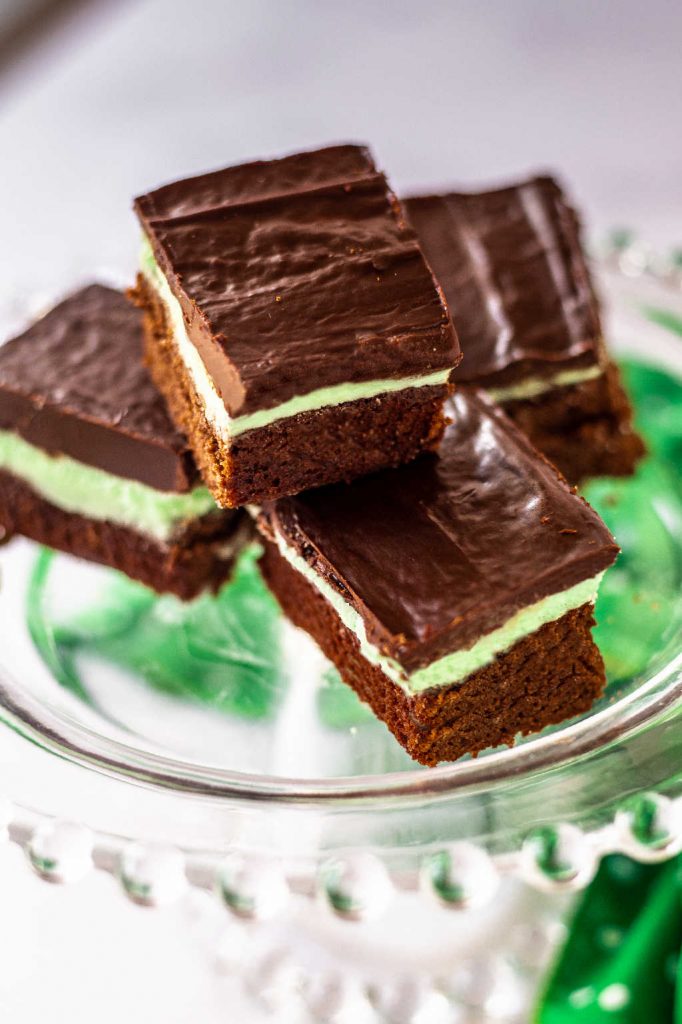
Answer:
(184, 569)
(585, 429)
(552, 674)
(335, 443)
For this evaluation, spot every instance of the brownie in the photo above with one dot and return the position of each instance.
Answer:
(90, 462)
(201, 560)
(293, 325)
(455, 594)
(585, 429)
(512, 266)
(74, 384)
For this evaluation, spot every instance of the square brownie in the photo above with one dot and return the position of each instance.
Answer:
(293, 325)
(515, 277)
(90, 462)
(455, 594)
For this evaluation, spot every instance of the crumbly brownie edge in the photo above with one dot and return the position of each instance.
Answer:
(183, 569)
(585, 429)
(337, 443)
(551, 675)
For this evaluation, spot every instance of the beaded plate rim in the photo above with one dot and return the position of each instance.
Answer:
(559, 858)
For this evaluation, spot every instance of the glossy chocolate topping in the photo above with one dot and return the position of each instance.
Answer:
(74, 384)
(444, 550)
(297, 274)
(515, 278)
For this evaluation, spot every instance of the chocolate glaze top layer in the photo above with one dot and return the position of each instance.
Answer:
(440, 552)
(297, 274)
(74, 384)
(515, 278)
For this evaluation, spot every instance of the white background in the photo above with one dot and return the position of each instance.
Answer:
(134, 94)
(458, 92)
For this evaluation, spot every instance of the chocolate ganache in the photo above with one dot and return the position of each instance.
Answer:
(440, 552)
(511, 264)
(74, 384)
(298, 274)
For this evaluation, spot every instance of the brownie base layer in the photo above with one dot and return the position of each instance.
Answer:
(184, 569)
(337, 443)
(551, 675)
(584, 429)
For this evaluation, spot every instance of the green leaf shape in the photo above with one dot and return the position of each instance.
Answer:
(639, 608)
(664, 318)
(223, 650)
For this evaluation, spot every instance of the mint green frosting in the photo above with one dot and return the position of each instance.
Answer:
(460, 664)
(75, 487)
(216, 413)
(533, 386)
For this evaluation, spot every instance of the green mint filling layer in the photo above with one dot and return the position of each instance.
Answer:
(217, 414)
(534, 386)
(460, 664)
(95, 494)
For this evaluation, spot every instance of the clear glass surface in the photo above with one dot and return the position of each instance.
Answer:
(235, 733)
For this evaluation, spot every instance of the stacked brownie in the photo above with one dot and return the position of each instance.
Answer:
(455, 595)
(306, 355)
(516, 280)
(293, 325)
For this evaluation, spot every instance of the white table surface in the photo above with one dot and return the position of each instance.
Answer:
(138, 93)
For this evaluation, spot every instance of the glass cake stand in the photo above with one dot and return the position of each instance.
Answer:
(211, 746)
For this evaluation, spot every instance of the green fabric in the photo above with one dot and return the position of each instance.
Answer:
(620, 964)
(622, 961)
(640, 599)
(223, 651)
